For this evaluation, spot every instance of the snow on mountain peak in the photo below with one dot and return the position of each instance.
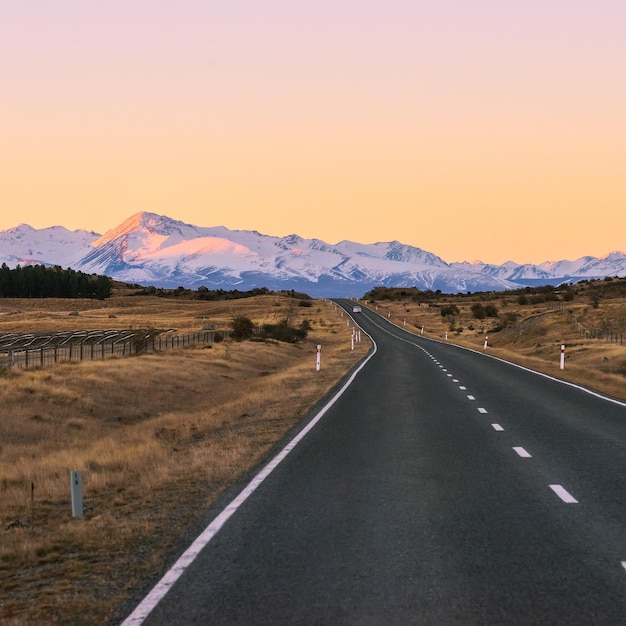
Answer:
(202, 246)
(148, 223)
(144, 233)
(615, 255)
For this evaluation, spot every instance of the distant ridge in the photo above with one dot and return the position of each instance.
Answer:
(152, 249)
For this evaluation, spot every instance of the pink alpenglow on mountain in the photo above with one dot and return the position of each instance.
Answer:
(153, 249)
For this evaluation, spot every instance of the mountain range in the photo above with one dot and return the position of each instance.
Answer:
(151, 249)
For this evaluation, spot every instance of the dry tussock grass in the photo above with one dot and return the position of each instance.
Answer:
(130, 312)
(157, 438)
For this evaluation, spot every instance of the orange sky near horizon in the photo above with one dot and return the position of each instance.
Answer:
(482, 131)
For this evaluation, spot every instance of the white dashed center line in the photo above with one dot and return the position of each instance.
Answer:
(522, 452)
(567, 497)
(462, 388)
(471, 398)
(482, 410)
(497, 427)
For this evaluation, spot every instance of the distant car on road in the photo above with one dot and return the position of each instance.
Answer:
(356, 309)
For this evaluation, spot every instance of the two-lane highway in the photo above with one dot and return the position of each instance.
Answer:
(442, 487)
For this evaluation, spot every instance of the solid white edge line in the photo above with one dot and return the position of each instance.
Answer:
(567, 497)
(159, 591)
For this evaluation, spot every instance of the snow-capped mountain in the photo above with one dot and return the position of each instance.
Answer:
(24, 245)
(152, 249)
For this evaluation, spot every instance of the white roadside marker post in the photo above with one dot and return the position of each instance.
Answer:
(422, 330)
(562, 365)
(318, 363)
(76, 483)
(486, 342)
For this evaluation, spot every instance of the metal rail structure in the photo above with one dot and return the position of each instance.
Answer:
(22, 351)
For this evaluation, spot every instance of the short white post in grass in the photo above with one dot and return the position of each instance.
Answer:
(76, 484)
(446, 336)
(352, 342)
(486, 342)
(403, 322)
(562, 366)
(422, 330)
(318, 362)
(358, 334)
(388, 313)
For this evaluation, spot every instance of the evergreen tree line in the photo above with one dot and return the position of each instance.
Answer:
(39, 281)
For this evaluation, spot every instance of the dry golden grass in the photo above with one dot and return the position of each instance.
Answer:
(157, 438)
(534, 339)
(127, 312)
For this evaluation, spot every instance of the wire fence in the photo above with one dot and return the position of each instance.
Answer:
(22, 351)
(605, 334)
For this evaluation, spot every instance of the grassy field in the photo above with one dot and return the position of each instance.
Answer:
(157, 437)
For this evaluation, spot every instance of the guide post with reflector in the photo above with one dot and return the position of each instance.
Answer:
(76, 482)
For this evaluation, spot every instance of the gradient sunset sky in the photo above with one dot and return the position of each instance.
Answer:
(472, 129)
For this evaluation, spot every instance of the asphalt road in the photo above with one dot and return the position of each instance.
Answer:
(443, 487)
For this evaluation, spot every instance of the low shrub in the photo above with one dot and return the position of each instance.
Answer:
(283, 332)
(243, 328)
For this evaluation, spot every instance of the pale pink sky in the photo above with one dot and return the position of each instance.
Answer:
(470, 129)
